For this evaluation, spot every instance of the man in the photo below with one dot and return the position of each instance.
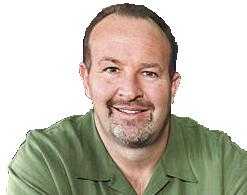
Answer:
(129, 143)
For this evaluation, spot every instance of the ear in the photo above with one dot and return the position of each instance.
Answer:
(84, 73)
(175, 81)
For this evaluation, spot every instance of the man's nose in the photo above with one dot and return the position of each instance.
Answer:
(130, 88)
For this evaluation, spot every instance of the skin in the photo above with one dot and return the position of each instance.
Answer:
(132, 92)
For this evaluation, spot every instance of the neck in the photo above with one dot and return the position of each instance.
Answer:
(137, 164)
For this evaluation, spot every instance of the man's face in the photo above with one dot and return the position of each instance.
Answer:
(129, 80)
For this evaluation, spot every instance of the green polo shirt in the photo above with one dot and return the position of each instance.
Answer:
(69, 158)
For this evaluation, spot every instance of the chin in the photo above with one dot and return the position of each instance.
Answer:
(135, 137)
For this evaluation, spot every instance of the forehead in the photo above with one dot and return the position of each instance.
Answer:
(125, 35)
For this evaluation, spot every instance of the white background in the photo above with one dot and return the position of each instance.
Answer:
(41, 47)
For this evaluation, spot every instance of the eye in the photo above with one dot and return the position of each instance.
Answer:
(150, 74)
(111, 69)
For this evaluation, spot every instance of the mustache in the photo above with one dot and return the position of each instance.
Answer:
(133, 103)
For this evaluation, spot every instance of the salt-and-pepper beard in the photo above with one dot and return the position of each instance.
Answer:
(142, 135)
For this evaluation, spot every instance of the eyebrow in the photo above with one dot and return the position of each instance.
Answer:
(144, 65)
(152, 65)
(111, 59)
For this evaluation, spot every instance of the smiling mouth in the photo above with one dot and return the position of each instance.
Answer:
(130, 111)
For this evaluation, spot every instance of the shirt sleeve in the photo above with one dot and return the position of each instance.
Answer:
(234, 168)
(29, 173)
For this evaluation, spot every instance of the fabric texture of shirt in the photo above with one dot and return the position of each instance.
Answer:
(69, 158)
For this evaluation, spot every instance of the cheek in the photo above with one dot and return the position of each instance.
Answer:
(101, 90)
(159, 94)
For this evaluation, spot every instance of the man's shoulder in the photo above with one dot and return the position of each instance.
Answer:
(60, 137)
(195, 131)
(51, 153)
(202, 142)
(64, 128)
(212, 154)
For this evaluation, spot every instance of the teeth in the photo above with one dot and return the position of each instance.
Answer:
(129, 111)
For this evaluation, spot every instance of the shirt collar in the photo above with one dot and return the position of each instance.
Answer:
(97, 164)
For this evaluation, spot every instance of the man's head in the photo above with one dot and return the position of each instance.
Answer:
(131, 80)
(133, 11)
